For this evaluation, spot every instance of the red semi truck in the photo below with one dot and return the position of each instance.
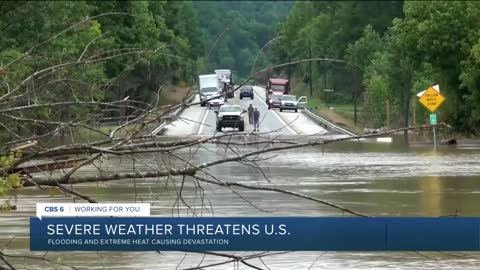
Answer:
(276, 87)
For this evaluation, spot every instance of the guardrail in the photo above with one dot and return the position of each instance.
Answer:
(160, 129)
(324, 122)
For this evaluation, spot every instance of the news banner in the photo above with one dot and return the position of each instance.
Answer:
(130, 227)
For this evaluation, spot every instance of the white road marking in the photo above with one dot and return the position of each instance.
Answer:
(278, 116)
(304, 125)
(203, 122)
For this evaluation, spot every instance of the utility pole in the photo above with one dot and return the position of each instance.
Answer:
(414, 114)
(310, 65)
(355, 108)
(325, 87)
(388, 113)
(355, 96)
(414, 119)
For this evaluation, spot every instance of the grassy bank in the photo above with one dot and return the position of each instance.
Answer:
(338, 113)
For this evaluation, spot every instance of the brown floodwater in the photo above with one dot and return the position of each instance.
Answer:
(375, 179)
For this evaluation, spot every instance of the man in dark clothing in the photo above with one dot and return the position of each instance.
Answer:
(225, 90)
(250, 114)
(256, 119)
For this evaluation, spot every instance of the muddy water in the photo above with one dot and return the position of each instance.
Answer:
(379, 180)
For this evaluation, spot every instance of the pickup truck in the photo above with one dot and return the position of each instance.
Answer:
(230, 116)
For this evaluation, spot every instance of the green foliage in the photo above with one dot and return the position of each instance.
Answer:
(331, 25)
(337, 30)
(167, 27)
(402, 49)
(360, 53)
(405, 48)
(12, 180)
(34, 39)
(251, 24)
(444, 34)
(378, 89)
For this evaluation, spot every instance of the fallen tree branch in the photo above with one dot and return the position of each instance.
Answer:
(10, 266)
(76, 193)
(289, 192)
(23, 257)
(192, 169)
(233, 258)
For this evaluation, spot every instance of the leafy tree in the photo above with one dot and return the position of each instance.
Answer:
(328, 27)
(27, 47)
(359, 55)
(166, 29)
(442, 34)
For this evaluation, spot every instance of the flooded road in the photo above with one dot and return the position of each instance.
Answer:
(373, 179)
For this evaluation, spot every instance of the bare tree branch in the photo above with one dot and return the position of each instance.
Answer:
(38, 258)
(296, 194)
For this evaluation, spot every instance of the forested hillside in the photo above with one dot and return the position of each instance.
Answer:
(135, 46)
(234, 31)
(393, 50)
(92, 51)
(114, 50)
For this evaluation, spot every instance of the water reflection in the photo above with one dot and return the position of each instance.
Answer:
(432, 196)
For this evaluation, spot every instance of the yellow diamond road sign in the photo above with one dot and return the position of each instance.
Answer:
(431, 99)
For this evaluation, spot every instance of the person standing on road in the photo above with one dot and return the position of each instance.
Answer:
(250, 114)
(256, 120)
(225, 91)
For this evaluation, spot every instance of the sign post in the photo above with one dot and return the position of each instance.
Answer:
(326, 95)
(433, 121)
(432, 99)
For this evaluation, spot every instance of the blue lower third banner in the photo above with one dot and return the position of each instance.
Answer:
(254, 234)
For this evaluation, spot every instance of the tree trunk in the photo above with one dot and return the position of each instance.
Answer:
(406, 105)
(355, 98)
(357, 84)
(289, 72)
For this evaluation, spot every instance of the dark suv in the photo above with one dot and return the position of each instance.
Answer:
(230, 116)
(246, 91)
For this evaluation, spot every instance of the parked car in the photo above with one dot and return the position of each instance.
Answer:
(302, 102)
(246, 91)
(290, 102)
(230, 116)
(217, 102)
(274, 101)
